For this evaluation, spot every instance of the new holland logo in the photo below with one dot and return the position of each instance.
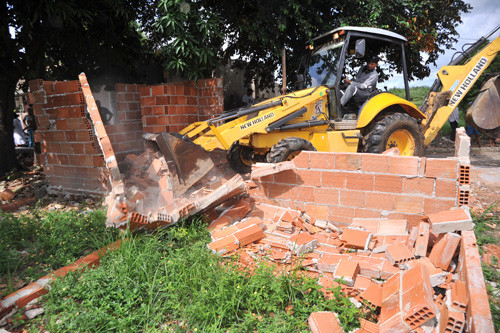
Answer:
(469, 80)
(255, 121)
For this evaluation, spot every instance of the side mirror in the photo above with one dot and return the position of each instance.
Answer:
(359, 51)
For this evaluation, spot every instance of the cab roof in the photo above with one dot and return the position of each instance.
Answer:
(373, 31)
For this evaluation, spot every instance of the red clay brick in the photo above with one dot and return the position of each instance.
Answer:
(432, 205)
(286, 177)
(226, 244)
(419, 185)
(356, 239)
(321, 160)
(478, 310)
(279, 191)
(347, 270)
(326, 196)
(375, 163)
(441, 168)
(403, 165)
(451, 321)
(333, 179)
(459, 297)
(324, 322)
(340, 212)
(347, 161)
(417, 296)
(408, 204)
(309, 177)
(352, 198)
(317, 211)
(398, 254)
(249, 235)
(388, 183)
(302, 160)
(443, 251)
(373, 294)
(422, 240)
(446, 188)
(361, 182)
(367, 213)
(378, 201)
(302, 193)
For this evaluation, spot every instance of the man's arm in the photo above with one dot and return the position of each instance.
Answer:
(366, 80)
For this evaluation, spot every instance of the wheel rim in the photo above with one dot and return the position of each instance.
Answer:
(246, 156)
(403, 140)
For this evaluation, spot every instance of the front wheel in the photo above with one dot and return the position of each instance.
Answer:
(286, 149)
(240, 158)
(394, 130)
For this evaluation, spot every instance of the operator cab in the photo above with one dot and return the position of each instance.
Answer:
(342, 52)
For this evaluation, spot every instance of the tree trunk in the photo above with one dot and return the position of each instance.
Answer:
(8, 81)
(8, 159)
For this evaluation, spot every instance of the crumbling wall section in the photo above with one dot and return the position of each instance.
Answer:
(125, 136)
(173, 106)
(71, 157)
(337, 187)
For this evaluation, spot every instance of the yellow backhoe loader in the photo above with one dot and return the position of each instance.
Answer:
(312, 118)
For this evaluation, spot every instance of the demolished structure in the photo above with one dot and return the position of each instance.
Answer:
(388, 230)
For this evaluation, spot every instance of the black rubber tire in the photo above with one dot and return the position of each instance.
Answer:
(234, 158)
(281, 151)
(375, 139)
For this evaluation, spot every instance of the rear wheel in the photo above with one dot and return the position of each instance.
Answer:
(394, 130)
(240, 158)
(286, 149)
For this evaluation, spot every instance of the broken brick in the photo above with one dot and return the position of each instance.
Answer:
(443, 251)
(324, 322)
(265, 169)
(7, 194)
(422, 240)
(357, 239)
(249, 235)
(417, 296)
(458, 295)
(450, 221)
(346, 270)
(398, 254)
(451, 321)
(373, 294)
(302, 243)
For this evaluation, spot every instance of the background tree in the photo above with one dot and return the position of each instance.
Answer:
(58, 39)
(256, 31)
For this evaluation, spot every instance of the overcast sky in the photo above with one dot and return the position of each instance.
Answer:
(483, 18)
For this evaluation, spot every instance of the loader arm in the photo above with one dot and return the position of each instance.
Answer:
(214, 133)
(455, 81)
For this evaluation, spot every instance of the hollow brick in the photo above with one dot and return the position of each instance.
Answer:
(403, 165)
(441, 168)
(375, 163)
(388, 183)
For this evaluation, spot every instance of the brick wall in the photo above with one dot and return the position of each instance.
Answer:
(126, 135)
(173, 106)
(339, 186)
(71, 157)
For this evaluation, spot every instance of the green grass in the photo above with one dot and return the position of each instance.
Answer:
(170, 280)
(417, 94)
(33, 245)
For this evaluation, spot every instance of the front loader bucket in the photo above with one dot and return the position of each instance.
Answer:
(187, 161)
(484, 113)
